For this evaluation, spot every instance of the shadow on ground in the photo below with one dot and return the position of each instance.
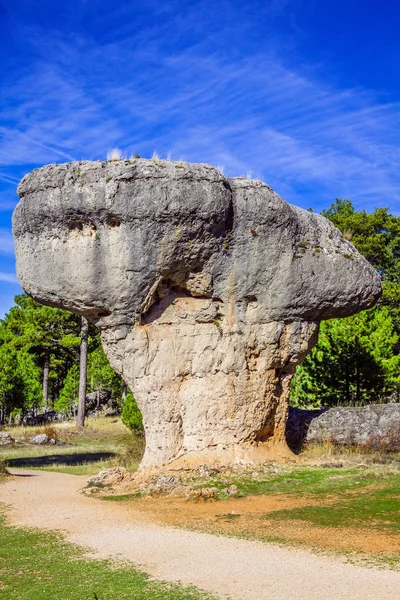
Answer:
(59, 459)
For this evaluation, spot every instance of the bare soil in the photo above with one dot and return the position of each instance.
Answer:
(248, 517)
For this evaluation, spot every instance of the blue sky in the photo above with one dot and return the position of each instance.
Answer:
(302, 93)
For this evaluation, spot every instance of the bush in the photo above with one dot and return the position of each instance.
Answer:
(50, 431)
(131, 415)
(387, 444)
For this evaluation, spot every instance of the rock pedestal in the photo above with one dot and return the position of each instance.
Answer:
(207, 387)
(207, 292)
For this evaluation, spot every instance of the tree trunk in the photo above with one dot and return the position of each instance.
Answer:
(123, 393)
(46, 370)
(80, 419)
(1, 414)
(98, 399)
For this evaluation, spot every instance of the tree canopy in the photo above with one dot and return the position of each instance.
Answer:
(39, 358)
(356, 360)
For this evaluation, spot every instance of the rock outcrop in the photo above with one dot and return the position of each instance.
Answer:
(31, 418)
(368, 425)
(41, 439)
(6, 439)
(207, 292)
(297, 425)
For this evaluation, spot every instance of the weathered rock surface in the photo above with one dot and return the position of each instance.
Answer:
(107, 477)
(349, 425)
(31, 418)
(102, 404)
(97, 399)
(6, 439)
(41, 439)
(207, 291)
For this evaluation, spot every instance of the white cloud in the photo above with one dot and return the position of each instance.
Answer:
(8, 178)
(8, 277)
(6, 242)
(8, 200)
(294, 129)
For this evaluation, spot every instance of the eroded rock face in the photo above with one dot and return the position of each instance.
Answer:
(357, 425)
(207, 291)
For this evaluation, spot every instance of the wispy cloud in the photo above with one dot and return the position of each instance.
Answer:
(6, 242)
(8, 277)
(310, 139)
(8, 178)
(8, 199)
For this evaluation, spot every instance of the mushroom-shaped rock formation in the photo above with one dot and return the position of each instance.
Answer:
(207, 292)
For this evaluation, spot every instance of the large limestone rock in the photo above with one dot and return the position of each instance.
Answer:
(207, 291)
(357, 425)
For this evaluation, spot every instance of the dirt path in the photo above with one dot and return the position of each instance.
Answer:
(229, 568)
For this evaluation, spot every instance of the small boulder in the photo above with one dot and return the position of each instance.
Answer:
(6, 439)
(40, 439)
(51, 416)
(107, 478)
(207, 470)
(232, 491)
(112, 411)
(95, 400)
(165, 484)
(203, 494)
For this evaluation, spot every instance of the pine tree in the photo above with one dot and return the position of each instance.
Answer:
(356, 359)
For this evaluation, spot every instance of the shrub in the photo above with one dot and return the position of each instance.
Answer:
(385, 444)
(131, 415)
(50, 431)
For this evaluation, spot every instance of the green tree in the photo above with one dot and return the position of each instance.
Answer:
(67, 401)
(356, 359)
(19, 376)
(39, 354)
(8, 380)
(101, 376)
(51, 335)
(131, 415)
(376, 236)
(353, 363)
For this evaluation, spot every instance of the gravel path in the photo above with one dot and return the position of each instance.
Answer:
(229, 568)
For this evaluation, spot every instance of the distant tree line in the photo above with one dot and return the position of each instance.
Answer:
(40, 356)
(356, 360)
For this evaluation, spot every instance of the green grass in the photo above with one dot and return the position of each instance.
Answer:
(123, 497)
(307, 480)
(378, 510)
(100, 445)
(313, 481)
(37, 565)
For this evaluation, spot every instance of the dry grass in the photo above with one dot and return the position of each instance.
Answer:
(115, 154)
(375, 453)
(101, 444)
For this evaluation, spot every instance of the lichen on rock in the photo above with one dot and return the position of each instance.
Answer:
(207, 291)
